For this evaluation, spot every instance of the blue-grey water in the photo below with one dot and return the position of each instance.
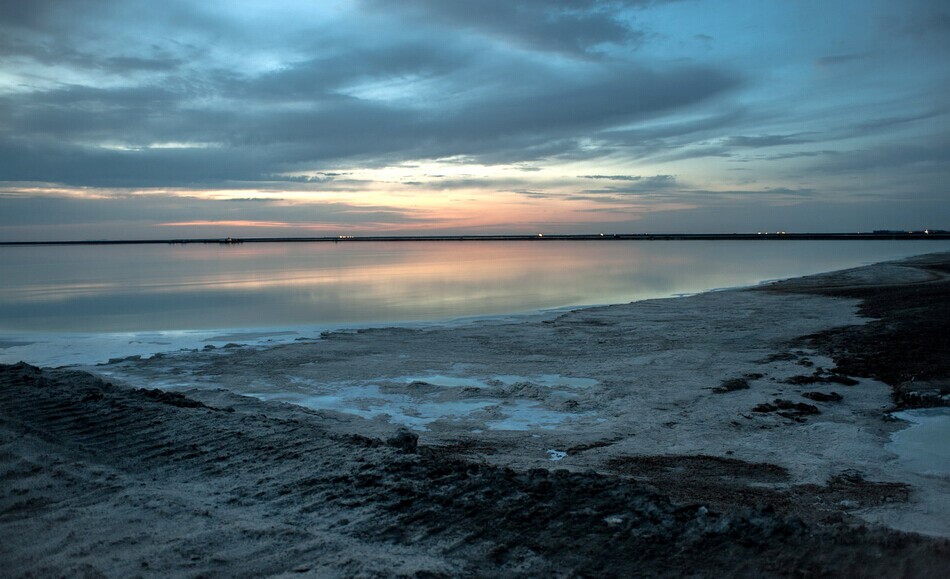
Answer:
(163, 289)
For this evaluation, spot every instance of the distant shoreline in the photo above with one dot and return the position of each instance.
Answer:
(889, 235)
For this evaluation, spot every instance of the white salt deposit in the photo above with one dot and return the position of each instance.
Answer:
(556, 455)
(69, 349)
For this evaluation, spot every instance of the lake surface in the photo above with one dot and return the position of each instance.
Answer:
(270, 287)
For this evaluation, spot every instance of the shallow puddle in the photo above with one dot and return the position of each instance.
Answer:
(370, 402)
(923, 446)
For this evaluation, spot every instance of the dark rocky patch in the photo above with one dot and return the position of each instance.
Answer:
(788, 409)
(170, 398)
(921, 394)
(700, 466)
(134, 358)
(404, 440)
(822, 397)
(592, 322)
(822, 376)
(841, 379)
(724, 484)
(579, 448)
(779, 357)
(850, 490)
(467, 446)
(731, 385)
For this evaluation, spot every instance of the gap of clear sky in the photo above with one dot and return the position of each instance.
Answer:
(142, 119)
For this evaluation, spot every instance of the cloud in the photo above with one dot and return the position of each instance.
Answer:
(922, 155)
(533, 194)
(665, 189)
(613, 177)
(693, 152)
(877, 125)
(231, 223)
(101, 111)
(705, 40)
(837, 59)
(799, 154)
(576, 27)
(98, 136)
(674, 135)
(324, 76)
(162, 208)
(923, 20)
(600, 200)
(765, 140)
(769, 192)
(639, 185)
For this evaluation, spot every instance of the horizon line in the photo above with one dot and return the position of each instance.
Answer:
(775, 235)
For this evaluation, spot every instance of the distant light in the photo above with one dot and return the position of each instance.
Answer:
(540, 235)
(926, 232)
(601, 234)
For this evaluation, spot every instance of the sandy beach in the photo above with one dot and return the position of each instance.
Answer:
(731, 433)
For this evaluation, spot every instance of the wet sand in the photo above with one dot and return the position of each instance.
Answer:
(731, 433)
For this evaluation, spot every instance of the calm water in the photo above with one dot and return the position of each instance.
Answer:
(166, 287)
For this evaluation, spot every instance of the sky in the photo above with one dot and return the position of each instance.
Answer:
(177, 119)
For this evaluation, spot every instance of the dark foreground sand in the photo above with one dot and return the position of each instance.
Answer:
(109, 479)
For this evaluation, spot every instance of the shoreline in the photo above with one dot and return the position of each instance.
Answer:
(107, 346)
(906, 340)
(715, 433)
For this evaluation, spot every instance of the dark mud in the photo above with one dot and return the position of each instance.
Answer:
(787, 408)
(823, 397)
(906, 345)
(104, 479)
(729, 484)
(731, 385)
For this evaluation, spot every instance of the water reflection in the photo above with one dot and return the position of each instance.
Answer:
(136, 288)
